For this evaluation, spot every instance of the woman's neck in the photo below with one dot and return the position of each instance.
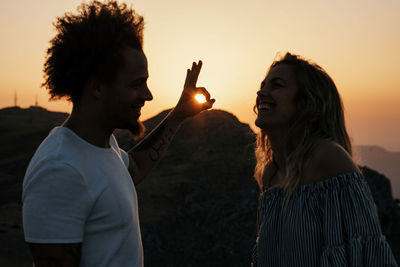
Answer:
(277, 142)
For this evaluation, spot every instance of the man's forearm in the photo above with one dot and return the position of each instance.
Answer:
(147, 153)
(56, 255)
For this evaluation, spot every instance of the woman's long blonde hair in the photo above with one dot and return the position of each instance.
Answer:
(319, 116)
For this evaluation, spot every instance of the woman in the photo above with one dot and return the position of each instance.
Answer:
(315, 208)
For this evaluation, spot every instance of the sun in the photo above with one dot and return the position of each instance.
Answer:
(200, 98)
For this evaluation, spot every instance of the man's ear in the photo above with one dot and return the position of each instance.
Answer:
(95, 88)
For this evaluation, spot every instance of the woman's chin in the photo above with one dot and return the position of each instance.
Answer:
(261, 124)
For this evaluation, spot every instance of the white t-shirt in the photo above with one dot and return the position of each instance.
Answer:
(75, 192)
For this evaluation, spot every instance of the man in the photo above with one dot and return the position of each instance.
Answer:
(79, 197)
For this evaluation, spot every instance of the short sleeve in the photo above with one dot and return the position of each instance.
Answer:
(122, 153)
(125, 157)
(352, 231)
(56, 204)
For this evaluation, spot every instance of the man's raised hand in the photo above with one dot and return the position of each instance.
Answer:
(187, 105)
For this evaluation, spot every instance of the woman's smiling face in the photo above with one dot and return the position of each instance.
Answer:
(276, 105)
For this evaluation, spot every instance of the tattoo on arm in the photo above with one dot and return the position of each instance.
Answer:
(147, 142)
(157, 141)
(161, 145)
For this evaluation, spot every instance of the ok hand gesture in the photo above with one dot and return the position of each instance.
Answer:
(187, 105)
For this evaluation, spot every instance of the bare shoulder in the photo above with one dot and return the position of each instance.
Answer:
(328, 159)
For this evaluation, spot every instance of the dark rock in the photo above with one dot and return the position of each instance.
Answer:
(388, 209)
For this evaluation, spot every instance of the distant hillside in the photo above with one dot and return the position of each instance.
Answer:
(383, 161)
(198, 207)
(21, 132)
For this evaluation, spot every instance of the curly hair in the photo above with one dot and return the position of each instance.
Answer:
(89, 45)
(320, 116)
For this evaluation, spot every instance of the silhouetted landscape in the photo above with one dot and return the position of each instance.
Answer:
(198, 207)
(386, 162)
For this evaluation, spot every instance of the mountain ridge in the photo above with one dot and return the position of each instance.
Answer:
(198, 206)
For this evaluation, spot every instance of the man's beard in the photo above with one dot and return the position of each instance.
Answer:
(137, 130)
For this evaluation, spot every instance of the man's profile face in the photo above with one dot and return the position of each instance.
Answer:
(128, 93)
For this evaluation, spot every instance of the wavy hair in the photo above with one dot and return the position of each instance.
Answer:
(88, 45)
(320, 115)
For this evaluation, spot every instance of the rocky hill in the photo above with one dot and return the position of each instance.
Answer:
(197, 207)
(386, 162)
(201, 199)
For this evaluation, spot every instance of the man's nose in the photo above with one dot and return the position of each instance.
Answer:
(147, 96)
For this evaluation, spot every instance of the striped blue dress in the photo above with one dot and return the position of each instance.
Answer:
(328, 223)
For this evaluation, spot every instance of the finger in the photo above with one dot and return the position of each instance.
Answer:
(211, 101)
(202, 90)
(194, 74)
(208, 105)
(187, 77)
(189, 82)
(197, 72)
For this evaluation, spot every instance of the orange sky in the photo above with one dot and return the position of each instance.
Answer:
(355, 41)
